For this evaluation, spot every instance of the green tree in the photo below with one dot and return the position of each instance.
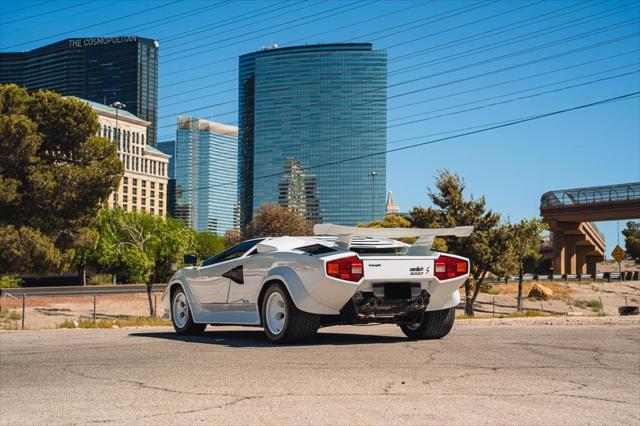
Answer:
(209, 244)
(525, 238)
(632, 240)
(389, 221)
(486, 248)
(142, 247)
(274, 221)
(55, 174)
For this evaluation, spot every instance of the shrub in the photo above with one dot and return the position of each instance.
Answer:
(100, 279)
(7, 281)
(10, 315)
(595, 305)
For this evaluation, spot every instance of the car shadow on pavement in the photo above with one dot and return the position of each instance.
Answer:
(257, 338)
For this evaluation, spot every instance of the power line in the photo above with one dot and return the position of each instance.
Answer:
(434, 18)
(457, 136)
(483, 62)
(556, 90)
(27, 7)
(535, 34)
(156, 7)
(46, 13)
(61, 18)
(391, 61)
(185, 14)
(468, 91)
(374, 130)
(513, 40)
(316, 17)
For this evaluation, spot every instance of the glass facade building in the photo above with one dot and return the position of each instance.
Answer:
(102, 70)
(203, 171)
(306, 106)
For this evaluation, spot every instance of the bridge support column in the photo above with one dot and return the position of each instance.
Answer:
(558, 252)
(581, 259)
(592, 261)
(570, 242)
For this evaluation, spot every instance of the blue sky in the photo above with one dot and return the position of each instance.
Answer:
(452, 50)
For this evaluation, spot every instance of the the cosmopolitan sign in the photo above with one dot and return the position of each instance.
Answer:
(101, 41)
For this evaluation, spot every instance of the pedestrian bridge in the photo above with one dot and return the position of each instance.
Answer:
(578, 245)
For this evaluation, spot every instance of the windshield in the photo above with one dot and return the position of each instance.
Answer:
(232, 253)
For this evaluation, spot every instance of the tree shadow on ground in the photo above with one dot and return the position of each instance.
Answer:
(256, 338)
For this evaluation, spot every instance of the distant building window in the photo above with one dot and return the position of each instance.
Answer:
(135, 182)
(125, 189)
(153, 184)
(161, 186)
(125, 180)
(142, 138)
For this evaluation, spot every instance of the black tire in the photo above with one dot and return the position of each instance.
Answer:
(298, 326)
(434, 325)
(189, 327)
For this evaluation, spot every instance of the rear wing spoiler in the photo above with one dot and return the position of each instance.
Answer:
(420, 247)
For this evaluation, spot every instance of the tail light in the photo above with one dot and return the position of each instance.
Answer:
(348, 268)
(450, 267)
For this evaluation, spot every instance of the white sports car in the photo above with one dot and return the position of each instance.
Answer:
(344, 275)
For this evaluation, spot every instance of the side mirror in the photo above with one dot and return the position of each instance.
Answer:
(190, 259)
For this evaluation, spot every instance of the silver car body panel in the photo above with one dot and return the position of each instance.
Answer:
(215, 299)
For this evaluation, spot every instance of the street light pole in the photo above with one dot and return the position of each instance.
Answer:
(118, 106)
(373, 175)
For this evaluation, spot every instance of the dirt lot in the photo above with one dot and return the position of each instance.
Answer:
(572, 298)
(44, 312)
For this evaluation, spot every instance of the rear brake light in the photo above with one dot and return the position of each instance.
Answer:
(348, 269)
(450, 267)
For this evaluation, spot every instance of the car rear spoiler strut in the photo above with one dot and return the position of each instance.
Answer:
(421, 246)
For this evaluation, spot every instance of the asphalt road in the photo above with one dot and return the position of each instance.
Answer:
(485, 372)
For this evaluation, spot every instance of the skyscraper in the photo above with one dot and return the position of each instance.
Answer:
(204, 169)
(301, 108)
(102, 70)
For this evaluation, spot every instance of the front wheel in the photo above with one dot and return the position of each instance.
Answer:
(434, 325)
(282, 321)
(181, 315)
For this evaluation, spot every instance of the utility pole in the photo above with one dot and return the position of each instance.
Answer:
(373, 175)
(118, 106)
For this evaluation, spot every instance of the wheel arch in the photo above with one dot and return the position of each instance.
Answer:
(297, 290)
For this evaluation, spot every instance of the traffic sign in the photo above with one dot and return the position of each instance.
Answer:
(618, 254)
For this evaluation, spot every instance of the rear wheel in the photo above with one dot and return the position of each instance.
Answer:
(434, 325)
(282, 321)
(181, 315)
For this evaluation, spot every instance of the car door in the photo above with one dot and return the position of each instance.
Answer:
(211, 281)
(208, 284)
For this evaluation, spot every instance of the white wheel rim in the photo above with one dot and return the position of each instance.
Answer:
(276, 313)
(180, 310)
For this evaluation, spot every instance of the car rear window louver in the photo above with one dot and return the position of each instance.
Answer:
(316, 249)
